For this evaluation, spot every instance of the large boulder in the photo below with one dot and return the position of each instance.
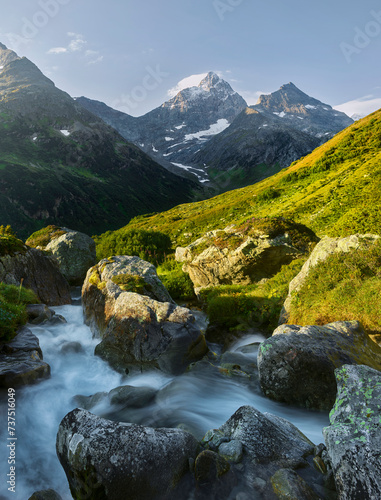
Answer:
(115, 461)
(74, 251)
(354, 439)
(244, 255)
(326, 247)
(141, 327)
(297, 364)
(256, 446)
(20, 263)
(21, 360)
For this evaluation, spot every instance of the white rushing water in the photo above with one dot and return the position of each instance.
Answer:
(199, 401)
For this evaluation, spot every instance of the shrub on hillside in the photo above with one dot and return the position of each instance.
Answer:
(178, 283)
(152, 246)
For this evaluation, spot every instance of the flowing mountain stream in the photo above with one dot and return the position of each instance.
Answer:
(198, 400)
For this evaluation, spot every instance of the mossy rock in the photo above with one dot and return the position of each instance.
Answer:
(132, 283)
(44, 236)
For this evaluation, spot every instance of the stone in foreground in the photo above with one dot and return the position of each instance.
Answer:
(297, 364)
(354, 439)
(115, 461)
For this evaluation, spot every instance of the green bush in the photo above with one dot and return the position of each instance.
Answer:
(346, 286)
(152, 246)
(13, 300)
(178, 283)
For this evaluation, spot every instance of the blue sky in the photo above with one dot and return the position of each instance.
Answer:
(129, 53)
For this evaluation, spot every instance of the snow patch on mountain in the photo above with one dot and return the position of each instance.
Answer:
(214, 129)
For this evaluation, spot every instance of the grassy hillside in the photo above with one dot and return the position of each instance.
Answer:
(336, 191)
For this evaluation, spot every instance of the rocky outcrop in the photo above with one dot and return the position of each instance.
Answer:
(255, 251)
(353, 439)
(21, 360)
(36, 271)
(253, 447)
(105, 459)
(326, 247)
(126, 304)
(297, 364)
(75, 254)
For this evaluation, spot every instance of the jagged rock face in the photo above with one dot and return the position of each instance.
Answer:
(36, 271)
(75, 254)
(353, 439)
(234, 256)
(141, 327)
(59, 161)
(303, 112)
(326, 247)
(110, 460)
(21, 361)
(297, 364)
(6, 56)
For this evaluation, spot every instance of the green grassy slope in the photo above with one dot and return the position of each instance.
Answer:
(336, 191)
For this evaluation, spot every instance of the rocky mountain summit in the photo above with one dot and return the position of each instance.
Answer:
(60, 164)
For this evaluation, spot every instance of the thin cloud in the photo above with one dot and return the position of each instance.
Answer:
(96, 61)
(57, 50)
(362, 106)
(185, 83)
(76, 44)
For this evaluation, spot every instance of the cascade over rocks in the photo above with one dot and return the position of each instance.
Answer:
(141, 327)
(114, 460)
(21, 360)
(244, 255)
(353, 439)
(297, 364)
(74, 251)
(326, 247)
(38, 272)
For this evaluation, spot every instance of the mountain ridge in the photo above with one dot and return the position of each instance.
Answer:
(62, 165)
(215, 145)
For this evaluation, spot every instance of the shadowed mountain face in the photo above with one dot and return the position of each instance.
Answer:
(210, 132)
(60, 164)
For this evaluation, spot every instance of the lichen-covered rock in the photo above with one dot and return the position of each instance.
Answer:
(115, 461)
(244, 255)
(326, 247)
(257, 445)
(141, 327)
(75, 253)
(36, 271)
(354, 439)
(297, 364)
(21, 360)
